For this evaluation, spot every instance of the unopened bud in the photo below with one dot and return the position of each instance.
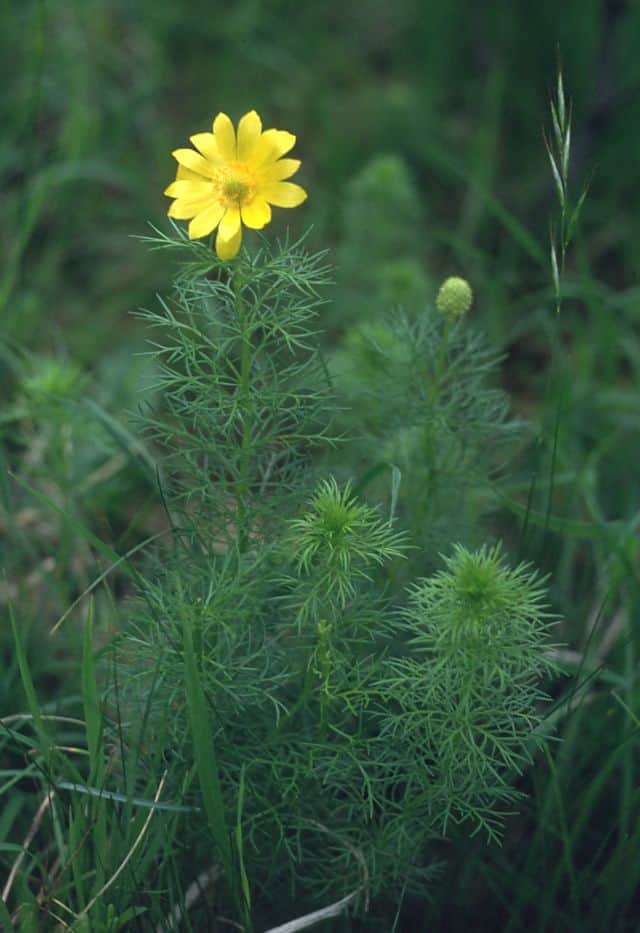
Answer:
(454, 297)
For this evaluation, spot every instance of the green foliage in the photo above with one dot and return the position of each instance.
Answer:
(307, 701)
(254, 330)
(95, 843)
(422, 390)
(333, 543)
(469, 693)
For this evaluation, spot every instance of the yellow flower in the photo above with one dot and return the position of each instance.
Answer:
(232, 179)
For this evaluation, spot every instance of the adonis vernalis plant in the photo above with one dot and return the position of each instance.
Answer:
(317, 724)
(351, 722)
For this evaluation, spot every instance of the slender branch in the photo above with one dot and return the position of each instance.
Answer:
(245, 407)
(433, 397)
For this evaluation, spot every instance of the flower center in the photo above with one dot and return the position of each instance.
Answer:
(236, 189)
(236, 185)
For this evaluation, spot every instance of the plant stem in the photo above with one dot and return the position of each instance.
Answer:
(247, 420)
(442, 359)
(433, 397)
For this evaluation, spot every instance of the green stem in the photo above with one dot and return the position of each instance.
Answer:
(325, 672)
(299, 704)
(442, 359)
(247, 420)
(432, 399)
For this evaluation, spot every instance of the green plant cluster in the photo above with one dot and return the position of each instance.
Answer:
(243, 413)
(341, 723)
(446, 428)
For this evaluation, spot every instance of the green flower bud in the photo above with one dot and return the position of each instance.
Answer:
(454, 297)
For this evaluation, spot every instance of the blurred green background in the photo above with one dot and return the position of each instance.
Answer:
(96, 94)
(419, 126)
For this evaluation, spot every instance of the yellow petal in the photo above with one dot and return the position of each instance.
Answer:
(185, 209)
(283, 168)
(187, 173)
(271, 145)
(283, 194)
(227, 249)
(230, 223)
(249, 132)
(206, 221)
(186, 188)
(194, 161)
(206, 144)
(256, 214)
(225, 137)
